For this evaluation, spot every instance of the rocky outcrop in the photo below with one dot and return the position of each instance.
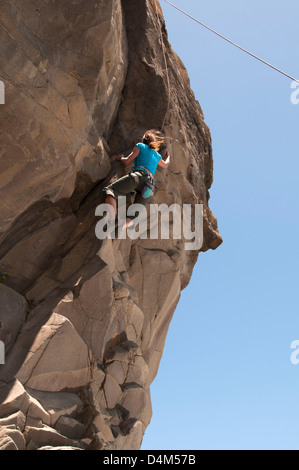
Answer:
(84, 321)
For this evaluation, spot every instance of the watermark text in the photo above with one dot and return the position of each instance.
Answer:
(295, 93)
(2, 353)
(295, 354)
(2, 93)
(163, 222)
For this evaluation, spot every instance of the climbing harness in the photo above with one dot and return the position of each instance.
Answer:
(231, 42)
(149, 187)
(145, 169)
(150, 183)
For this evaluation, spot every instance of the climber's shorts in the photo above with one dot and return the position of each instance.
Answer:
(134, 182)
(127, 184)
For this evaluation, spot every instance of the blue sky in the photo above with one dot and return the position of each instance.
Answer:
(226, 381)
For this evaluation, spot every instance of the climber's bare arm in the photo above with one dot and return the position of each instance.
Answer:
(130, 158)
(165, 163)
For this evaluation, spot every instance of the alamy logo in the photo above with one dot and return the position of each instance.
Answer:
(164, 222)
(2, 93)
(295, 354)
(295, 94)
(2, 353)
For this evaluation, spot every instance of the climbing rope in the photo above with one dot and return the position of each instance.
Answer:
(231, 42)
(166, 68)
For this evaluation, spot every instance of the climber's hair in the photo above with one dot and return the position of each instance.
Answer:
(154, 139)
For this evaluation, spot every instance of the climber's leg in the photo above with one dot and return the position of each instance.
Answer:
(139, 200)
(121, 187)
(129, 223)
(112, 206)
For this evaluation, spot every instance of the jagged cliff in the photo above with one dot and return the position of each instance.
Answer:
(84, 321)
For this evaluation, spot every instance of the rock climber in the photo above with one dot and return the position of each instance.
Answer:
(146, 159)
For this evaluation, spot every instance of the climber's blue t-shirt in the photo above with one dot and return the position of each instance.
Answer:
(147, 157)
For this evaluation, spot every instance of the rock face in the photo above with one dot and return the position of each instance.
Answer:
(84, 321)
